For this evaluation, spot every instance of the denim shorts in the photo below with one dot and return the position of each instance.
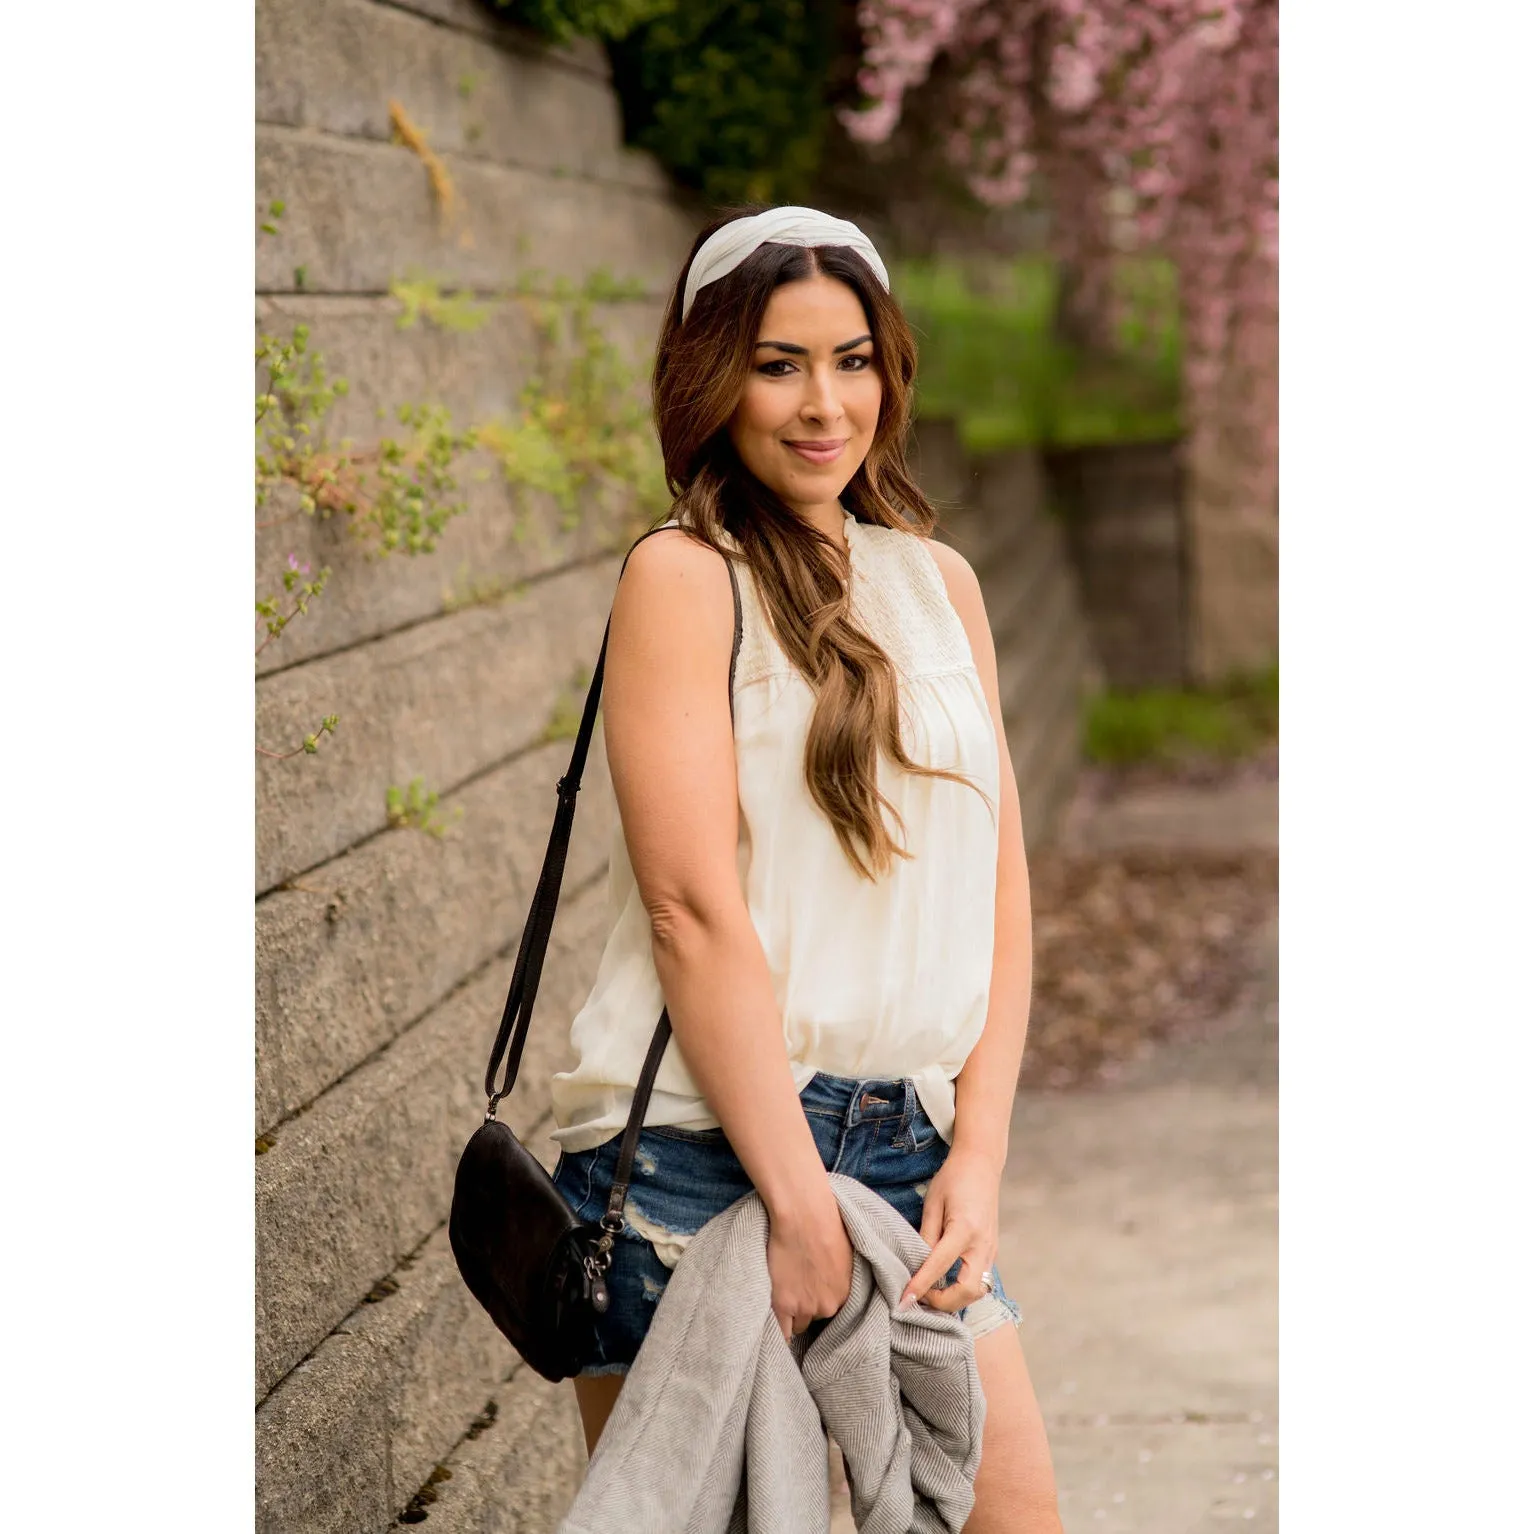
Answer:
(873, 1131)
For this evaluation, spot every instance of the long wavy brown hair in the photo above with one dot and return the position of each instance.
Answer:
(701, 369)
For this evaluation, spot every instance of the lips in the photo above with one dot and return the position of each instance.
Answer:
(819, 452)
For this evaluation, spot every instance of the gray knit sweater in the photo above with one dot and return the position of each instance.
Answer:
(721, 1425)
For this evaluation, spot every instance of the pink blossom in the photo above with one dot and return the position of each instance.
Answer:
(1173, 100)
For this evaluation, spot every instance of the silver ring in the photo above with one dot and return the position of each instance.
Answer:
(988, 1281)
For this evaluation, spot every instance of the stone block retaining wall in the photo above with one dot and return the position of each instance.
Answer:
(383, 953)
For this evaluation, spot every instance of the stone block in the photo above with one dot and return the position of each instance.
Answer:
(478, 375)
(1041, 648)
(1017, 586)
(501, 539)
(520, 1475)
(989, 538)
(504, 223)
(322, 1446)
(371, 941)
(444, 700)
(1052, 781)
(361, 1178)
(350, 1434)
(1234, 618)
(940, 466)
(335, 66)
(486, 557)
(1046, 750)
(1009, 491)
(1124, 519)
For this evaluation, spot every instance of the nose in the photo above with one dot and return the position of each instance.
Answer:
(821, 403)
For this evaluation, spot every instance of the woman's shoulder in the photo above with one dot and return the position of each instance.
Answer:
(672, 557)
(958, 574)
(674, 584)
(932, 592)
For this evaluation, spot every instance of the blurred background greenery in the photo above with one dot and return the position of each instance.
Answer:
(994, 356)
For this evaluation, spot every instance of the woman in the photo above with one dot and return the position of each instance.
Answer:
(830, 892)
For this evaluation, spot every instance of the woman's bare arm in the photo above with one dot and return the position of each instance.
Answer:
(671, 751)
(987, 1085)
(961, 1210)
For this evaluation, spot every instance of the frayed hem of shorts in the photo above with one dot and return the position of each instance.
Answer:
(600, 1371)
(996, 1312)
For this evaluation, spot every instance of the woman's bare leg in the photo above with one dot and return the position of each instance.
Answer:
(1015, 1488)
(596, 1396)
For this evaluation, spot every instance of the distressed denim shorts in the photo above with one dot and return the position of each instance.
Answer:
(874, 1131)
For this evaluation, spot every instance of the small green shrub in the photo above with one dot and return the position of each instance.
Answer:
(399, 492)
(562, 20)
(416, 806)
(310, 744)
(732, 96)
(992, 358)
(583, 421)
(420, 296)
(299, 583)
(1174, 724)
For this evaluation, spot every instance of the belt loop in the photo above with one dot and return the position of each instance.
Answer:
(855, 1104)
(907, 1110)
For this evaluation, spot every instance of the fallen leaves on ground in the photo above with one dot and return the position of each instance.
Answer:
(1134, 948)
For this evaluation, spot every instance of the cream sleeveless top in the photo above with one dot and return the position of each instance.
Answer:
(876, 980)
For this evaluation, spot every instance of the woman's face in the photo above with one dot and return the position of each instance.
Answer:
(806, 418)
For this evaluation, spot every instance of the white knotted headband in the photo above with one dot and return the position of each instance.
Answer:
(727, 247)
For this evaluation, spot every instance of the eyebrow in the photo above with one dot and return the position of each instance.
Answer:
(804, 351)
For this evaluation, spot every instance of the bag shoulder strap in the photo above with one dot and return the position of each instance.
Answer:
(516, 1018)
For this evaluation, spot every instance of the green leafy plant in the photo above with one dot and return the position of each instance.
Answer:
(311, 743)
(582, 422)
(994, 360)
(469, 590)
(400, 492)
(563, 20)
(416, 806)
(1173, 724)
(733, 96)
(421, 297)
(297, 584)
(413, 492)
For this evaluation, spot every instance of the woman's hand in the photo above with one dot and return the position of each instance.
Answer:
(959, 1219)
(809, 1260)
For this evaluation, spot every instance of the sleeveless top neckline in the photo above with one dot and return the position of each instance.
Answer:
(882, 979)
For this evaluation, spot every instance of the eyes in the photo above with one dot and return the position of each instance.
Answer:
(781, 367)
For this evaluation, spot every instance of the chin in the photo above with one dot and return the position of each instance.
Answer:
(811, 490)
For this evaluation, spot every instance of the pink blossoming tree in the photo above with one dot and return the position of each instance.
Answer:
(1150, 124)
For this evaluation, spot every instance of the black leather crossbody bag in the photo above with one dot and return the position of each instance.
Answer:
(538, 1270)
